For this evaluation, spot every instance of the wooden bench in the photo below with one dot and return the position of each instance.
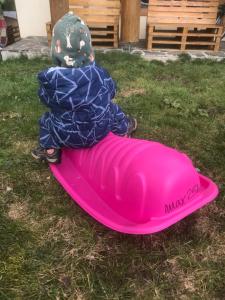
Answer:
(102, 18)
(183, 25)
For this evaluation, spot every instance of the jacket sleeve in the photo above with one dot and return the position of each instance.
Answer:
(43, 96)
(112, 88)
(110, 84)
(42, 92)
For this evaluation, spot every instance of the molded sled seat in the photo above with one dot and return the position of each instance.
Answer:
(133, 186)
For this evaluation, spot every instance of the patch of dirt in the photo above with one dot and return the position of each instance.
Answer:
(79, 296)
(189, 283)
(9, 115)
(214, 252)
(18, 211)
(132, 92)
(186, 281)
(24, 147)
(95, 253)
(38, 177)
(63, 229)
(205, 224)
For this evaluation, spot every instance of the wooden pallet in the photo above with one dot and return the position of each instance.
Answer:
(185, 38)
(183, 25)
(102, 36)
(13, 34)
(102, 17)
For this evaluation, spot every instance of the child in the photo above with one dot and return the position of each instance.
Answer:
(78, 93)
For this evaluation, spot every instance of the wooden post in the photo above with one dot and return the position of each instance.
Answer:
(130, 20)
(150, 30)
(58, 9)
(218, 39)
(184, 39)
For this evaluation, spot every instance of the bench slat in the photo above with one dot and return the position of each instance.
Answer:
(95, 11)
(96, 3)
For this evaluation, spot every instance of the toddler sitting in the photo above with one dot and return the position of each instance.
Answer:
(78, 93)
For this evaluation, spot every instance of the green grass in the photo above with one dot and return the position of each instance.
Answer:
(51, 249)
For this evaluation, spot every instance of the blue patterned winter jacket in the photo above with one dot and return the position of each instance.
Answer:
(81, 108)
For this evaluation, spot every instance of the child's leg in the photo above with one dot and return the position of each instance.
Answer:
(46, 138)
(122, 124)
(52, 156)
(49, 149)
(119, 120)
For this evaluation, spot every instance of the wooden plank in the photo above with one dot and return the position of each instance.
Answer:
(189, 34)
(96, 11)
(218, 39)
(103, 19)
(170, 34)
(112, 3)
(116, 37)
(184, 38)
(95, 32)
(150, 37)
(166, 49)
(166, 42)
(203, 34)
(212, 6)
(186, 50)
(180, 42)
(190, 9)
(102, 47)
(99, 25)
(200, 43)
(181, 21)
(184, 14)
(91, 3)
(102, 40)
(190, 25)
(156, 3)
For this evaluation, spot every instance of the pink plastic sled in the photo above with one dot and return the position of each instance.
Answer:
(133, 186)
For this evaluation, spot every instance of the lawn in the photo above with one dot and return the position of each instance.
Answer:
(51, 249)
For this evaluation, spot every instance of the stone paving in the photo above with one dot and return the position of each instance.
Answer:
(38, 47)
(29, 47)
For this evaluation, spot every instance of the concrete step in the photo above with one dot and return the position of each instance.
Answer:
(29, 47)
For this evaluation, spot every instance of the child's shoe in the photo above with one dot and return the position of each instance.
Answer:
(132, 126)
(42, 154)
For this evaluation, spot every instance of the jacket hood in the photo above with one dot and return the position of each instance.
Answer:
(68, 88)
